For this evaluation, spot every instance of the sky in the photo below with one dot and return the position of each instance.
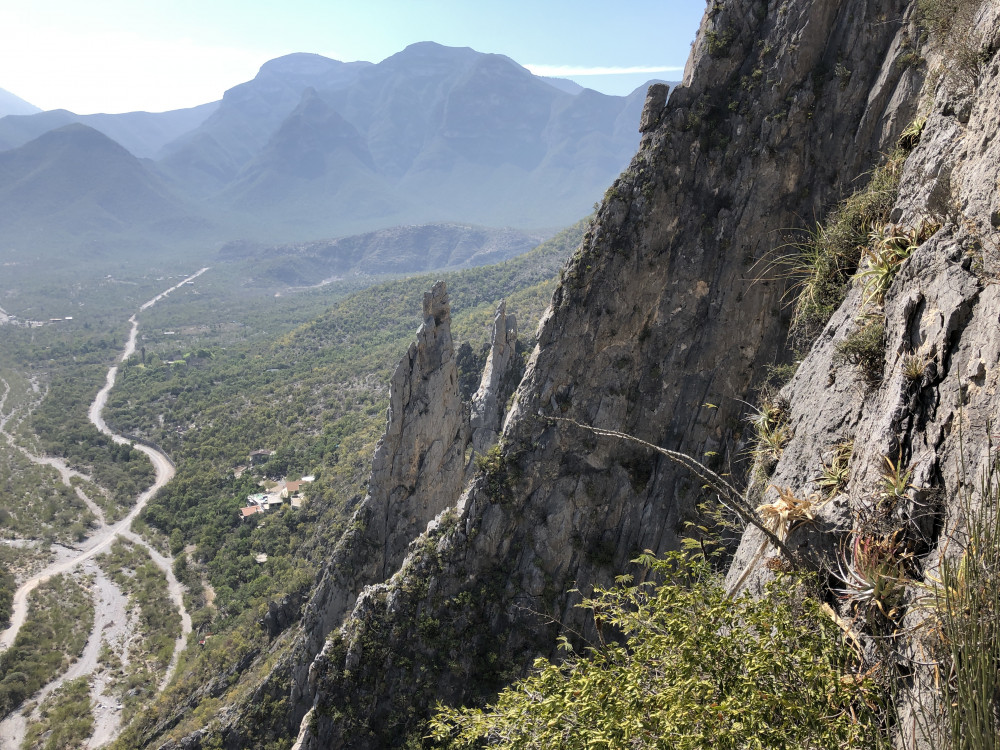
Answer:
(156, 55)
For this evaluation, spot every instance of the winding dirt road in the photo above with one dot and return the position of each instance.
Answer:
(105, 535)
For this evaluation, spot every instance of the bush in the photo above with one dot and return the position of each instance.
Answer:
(864, 348)
(695, 670)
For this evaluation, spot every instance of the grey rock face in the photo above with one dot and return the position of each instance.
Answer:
(487, 402)
(417, 471)
(661, 311)
(652, 109)
(941, 312)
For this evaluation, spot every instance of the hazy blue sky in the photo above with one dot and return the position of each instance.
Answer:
(122, 55)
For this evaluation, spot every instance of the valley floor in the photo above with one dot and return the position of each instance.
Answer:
(116, 627)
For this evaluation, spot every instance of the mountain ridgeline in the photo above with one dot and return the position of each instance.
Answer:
(313, 147)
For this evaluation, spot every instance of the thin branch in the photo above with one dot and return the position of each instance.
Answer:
(728, 494)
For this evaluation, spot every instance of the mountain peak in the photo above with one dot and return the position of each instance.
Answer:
(78, 135)
(299, 63)
(11, 104)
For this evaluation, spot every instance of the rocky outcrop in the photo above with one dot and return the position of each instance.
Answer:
(417, 471)
(661, 328)
(488, 402)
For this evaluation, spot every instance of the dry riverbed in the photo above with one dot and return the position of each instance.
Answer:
(113, 639)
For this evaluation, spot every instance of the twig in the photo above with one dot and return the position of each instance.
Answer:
(729, 496)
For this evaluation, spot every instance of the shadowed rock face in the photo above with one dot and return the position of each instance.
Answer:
(488, 401)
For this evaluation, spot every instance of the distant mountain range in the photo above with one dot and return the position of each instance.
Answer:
(313, 147)
(15, 105)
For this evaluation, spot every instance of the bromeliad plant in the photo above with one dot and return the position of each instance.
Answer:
(771, 430)
(780, 515)
(873, 569)
(888, 246)
(834, 476)
(895, 479)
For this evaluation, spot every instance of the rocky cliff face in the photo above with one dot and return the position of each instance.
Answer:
(662, 327)
(921, 416)
(418, 470)
(488, 401)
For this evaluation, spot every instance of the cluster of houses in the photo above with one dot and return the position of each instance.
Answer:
(284, 492)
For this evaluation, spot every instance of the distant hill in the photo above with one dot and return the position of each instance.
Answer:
(314, 147)
(75, 183)
(406, 249)
(15, 105)
(143, 134)
(432, 133)
(209, 157)
(563, 84)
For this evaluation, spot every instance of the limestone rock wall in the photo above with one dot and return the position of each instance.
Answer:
(418, 470)
(662, 327)
(488, 406)
(933, 408)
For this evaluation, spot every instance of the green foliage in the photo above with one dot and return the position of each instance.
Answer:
(66, 721)
(895, 478)
(60, 617)
(60, 421)
(130, 566)
(7, 588)
(718, 42)
(863, 348)
(821, 265)
(34, 502)
(493, 469)
(966, 603)
(694, 669)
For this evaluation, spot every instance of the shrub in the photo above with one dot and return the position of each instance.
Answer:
(694, 669)
(863, 348)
